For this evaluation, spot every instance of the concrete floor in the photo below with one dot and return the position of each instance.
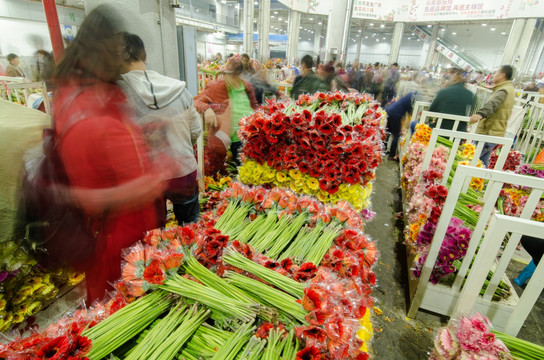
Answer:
(397, 337)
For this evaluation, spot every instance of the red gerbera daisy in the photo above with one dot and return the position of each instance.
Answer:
(309, 353)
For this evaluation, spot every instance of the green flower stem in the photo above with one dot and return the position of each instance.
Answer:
(234, 258)
(126, 323)
(285, 238)
(229, 308)
(267, 295)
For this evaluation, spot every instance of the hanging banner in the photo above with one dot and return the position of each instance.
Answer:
(375, 9)
(320, 7)
(428, 10)
(454, 58)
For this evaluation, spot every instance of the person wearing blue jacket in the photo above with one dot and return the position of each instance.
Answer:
(395, 113)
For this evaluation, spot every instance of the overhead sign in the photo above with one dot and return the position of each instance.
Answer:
(375, 9)
(428, 10)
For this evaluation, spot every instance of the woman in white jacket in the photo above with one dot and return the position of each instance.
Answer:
(163, 107)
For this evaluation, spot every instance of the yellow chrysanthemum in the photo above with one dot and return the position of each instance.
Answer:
(3, 304)
(295, 174)
(33, 308)
(313, 183)
(281, 176)
(75, 278)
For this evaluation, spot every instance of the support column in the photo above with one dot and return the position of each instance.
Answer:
(432, 47)
(360, 44)
(395, 42)
(249, 14)
(155, 23)
(538, 51)
(513, 41)
(220, 12)
(264, 30)
(523, 45)
(339, 18)
(50, 9)
(293, 30)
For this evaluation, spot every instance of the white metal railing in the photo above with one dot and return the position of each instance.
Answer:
(497, 230)
(457, 137)
(418, 108)
(12, 92)
(441, 298)
(529, 136)
(457, 120)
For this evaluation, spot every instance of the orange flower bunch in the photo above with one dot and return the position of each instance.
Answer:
(422, 134)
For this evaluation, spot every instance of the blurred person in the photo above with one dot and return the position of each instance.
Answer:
(219, 59)
(492, 118)
(247, 68)
(531, 87)
(44, 66)
(454, 99)
(13, 69)
(223, 103)
(103, 152)
(342, 73)
(163, 108)
(308, 82)
(395, 112)
(392, 78)
(377, 81)
(331, 80)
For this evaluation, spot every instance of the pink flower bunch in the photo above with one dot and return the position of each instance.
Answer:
(471, 339)
(454, 247)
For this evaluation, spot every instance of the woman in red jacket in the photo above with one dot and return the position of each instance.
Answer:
(223, 103)
(103, 152)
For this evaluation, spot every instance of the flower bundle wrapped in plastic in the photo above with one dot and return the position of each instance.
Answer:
(24, 291)
(471, 339)
(314, 153)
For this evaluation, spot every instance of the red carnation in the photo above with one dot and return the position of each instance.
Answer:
(154, 273)
(305, 272)
(309, 353)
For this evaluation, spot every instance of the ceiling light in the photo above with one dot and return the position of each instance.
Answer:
(417, 39)
(454, 33)
(275, 12)
(311, 19)
(409, 38)
(256, 3)
(413, 34)
(377, 40)
(371, 24)
(366, 37)
(484, 24)
(280, 18)
(442, 29)
(320, 23)
(382, 26)
(360, 30)
(503, 33)
(492, 29)
(272, 16)
(429, 26)
(383, 38)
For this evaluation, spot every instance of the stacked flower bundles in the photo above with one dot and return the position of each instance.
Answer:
(326, 145)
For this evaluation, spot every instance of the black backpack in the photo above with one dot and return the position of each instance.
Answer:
(56, 230)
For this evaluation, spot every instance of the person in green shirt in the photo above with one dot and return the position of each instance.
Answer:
(223, 103)
(455, 99)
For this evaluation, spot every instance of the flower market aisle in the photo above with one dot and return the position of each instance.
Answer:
(395, 336)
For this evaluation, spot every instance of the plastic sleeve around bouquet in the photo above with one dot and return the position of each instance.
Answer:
(467, 338)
